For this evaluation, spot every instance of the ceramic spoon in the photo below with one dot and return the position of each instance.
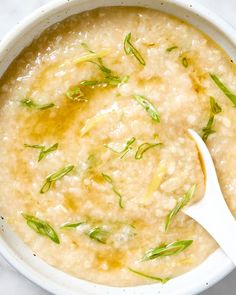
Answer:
(212, 211)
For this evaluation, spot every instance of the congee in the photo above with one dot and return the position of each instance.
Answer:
(96, 159)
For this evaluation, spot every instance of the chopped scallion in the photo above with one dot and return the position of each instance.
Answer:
(130, 49)
(43, 151)
(167, 250)
(208, 129)
(92, 56)
(50, 179)
(224, 89)
(72, 225)
(148, 106)
(171, 48)
(161, 280)
(41, 227)
(76, 94)
(179, 205)
(109, 180)
(98, 234)
(125, 149)
(145, 147)
(29, 103)
(185, 62)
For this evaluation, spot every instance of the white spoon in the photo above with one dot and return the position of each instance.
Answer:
(212, 211)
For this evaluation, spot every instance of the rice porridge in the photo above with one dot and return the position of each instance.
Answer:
(96, 160)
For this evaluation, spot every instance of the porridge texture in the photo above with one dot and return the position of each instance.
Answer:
(94, 143)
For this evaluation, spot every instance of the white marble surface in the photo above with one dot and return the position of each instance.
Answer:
(11, 12)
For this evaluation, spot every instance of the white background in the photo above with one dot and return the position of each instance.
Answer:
(11, 12)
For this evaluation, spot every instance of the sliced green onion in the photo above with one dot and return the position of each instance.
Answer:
(148, 106)
(125, 79)
(29, 103)
(185, 62)
(72, 225)
(109, 78)
(108, 81)
(41, 227)
(215, 108)
(109, 180)
(76, 94)
(179, 205)
(167, 250)
(224, 89)
(86, 47)
(208, 129)
(171, 48)
(43, 151)
(113, 80)
(102, 68)
(54, 177)
(98, 234)
(145, 147)
(92, 56)
(34, 146)
(93, 83)
(125, 150)
(162, 280)
(130, 49)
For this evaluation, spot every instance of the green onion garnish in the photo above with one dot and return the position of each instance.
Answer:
(107, 81)
(86, 47)
(29, 103)
(109, 180)
(125, 79)
(208, 129)
(98, 234)
(93, 83)
(34, 146)
(162, 280)
(50, 179)
(41, 227)
(145, 147)
(126, 149)
(171, 48)
(130, 49)
(113, 80)
(224, 89)
(43, 151)
(92, 56)
(185, 62)
(183, 201)
(148, 106)
(72, 225)
(109, 78)
(215, 108)
(76, 94)
(101, 66)
(167, 250)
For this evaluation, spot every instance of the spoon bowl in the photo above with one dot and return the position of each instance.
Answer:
(212, 211)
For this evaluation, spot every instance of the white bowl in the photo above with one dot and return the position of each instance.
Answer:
(217, 265)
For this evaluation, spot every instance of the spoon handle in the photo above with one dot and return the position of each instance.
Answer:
(212, 211)
(218, 221)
